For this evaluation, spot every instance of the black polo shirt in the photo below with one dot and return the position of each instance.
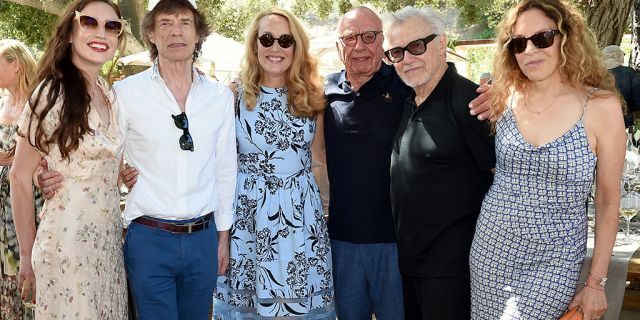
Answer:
(440, 172)
(359, 128)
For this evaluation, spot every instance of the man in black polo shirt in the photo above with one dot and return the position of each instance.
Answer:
(362, 115)
(440, 169)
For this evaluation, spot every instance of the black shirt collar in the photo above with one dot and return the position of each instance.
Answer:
(441, 88)
(377, 82)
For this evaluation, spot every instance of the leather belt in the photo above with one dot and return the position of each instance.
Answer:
(201, 224)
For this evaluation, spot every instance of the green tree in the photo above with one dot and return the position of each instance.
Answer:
(27, 24)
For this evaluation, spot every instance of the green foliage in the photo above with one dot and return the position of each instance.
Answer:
(230, 18)
(319, 9)
(480, 60)
(29, 25)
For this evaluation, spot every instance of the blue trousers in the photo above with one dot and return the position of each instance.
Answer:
(367, 281)
(172, 275)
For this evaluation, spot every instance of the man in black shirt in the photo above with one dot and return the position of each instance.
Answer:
(440, 169)
(627, 81)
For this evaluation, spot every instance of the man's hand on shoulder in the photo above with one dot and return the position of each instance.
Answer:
(480, 106)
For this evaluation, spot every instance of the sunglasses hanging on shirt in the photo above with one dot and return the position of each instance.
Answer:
(181, 122)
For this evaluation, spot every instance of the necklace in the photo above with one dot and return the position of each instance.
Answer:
(541, 111)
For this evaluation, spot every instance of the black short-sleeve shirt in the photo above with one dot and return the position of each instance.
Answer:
(359, 128)
(440, 172)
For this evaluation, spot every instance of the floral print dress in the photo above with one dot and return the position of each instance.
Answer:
(280, 251)
(77, 254)
(11, 307)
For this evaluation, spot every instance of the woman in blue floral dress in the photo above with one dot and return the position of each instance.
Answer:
(280, 263)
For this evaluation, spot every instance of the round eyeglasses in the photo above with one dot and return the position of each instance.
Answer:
(367, 37)
(285, 40)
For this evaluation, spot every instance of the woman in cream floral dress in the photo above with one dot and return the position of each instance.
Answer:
(17, 68)
(76, 254)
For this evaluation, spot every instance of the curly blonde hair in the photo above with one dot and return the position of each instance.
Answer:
(581, 62)
(304, 83)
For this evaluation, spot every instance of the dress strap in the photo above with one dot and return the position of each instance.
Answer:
(586, 102)
(513, 95)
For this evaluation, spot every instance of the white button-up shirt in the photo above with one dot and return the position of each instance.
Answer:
(175, 184)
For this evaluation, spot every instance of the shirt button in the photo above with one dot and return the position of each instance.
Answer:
(358, 94)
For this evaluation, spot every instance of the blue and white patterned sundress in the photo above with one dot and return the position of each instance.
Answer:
(280, 250)
(531, 235)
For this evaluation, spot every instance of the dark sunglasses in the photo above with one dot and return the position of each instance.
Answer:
(541, 40)
(285, 40)
(89, 23)
(181, 121)
(415, 47)
(367, 37)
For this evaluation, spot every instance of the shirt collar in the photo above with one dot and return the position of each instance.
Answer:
(372, 85)
(443, 85)
(155, 72)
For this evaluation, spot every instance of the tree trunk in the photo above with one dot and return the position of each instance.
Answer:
(607, 19)
(133, 13)
(634, 62)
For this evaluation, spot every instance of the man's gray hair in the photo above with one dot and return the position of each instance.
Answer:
(613, 56)
(427, 14)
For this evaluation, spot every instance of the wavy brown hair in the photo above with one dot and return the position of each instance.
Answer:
(581, 61)
(60, 79)
(304, 83)
(174, 7)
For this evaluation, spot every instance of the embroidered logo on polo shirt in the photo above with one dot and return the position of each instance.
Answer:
(387, 97)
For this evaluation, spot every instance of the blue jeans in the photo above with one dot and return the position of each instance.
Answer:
(172, 275)
(367, 281)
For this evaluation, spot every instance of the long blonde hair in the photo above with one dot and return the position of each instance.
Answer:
(581, 61)
(14, 50)
(304, 83)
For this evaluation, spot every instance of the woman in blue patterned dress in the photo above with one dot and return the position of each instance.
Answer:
(280, 260)
(559, 124)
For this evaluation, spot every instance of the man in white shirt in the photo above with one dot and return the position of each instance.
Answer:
(180, 137)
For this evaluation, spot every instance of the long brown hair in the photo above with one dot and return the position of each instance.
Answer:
(59, 79)
(580, 59)
(304, 83)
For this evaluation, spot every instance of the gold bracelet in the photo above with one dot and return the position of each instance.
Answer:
(586, 284)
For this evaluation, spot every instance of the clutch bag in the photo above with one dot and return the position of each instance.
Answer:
(573, 314)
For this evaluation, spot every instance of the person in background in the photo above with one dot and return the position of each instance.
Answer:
(280, 265)
(441, 165)
(627, 81)
(559, 126)
(485, 78)
(17, 74)
(73, 266)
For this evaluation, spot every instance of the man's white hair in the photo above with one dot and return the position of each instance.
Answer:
(613, 56)
(426, 14)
